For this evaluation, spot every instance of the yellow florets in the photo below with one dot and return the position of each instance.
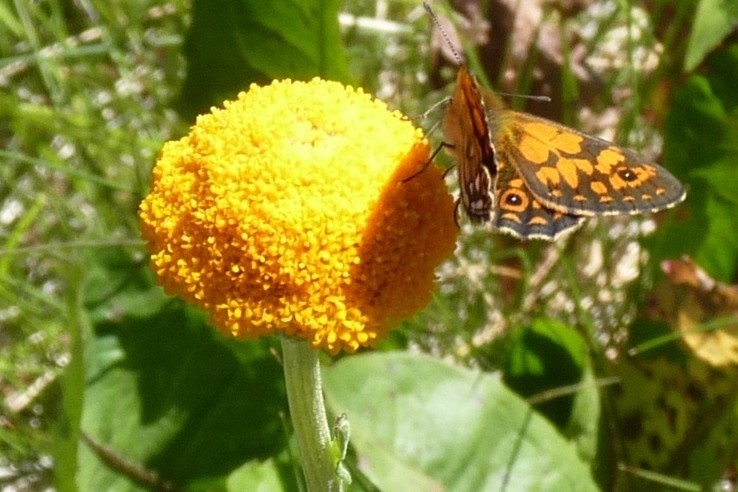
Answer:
(286, 212)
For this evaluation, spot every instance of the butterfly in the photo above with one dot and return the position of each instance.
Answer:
(536, 179)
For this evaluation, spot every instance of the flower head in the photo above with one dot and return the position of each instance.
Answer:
(286, 212)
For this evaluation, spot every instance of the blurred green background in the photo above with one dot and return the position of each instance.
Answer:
(604, 361)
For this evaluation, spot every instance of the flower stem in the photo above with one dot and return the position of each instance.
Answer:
(307, 410)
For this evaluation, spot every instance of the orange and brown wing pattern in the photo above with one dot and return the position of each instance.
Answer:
(547, 177)
(580, 174)
(518, 213)
(466, 137)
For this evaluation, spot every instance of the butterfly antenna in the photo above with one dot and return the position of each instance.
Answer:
(457, 55)
(460, 59)
(525, 96)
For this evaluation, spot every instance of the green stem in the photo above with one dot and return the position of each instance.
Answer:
(307, 410)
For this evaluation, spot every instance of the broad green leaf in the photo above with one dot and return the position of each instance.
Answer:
(543, 360)
(701, 147)
(233, 43)
(166, 392)
(722, 178)
(265, 476)
(420, 424)
(714, 21)
(695, 124)
(719, 251)
(545, 356)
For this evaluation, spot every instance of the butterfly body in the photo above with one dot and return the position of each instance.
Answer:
(464, 127)
(536, 179)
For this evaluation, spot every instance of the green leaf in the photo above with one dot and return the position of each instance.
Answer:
(722, 178)
(695, 124)
(166, 392)
(701, 147)
(67, 436)
(233, 43)
(711, 457)
(266, 476)
(714, 21)
(549, 357)
(421, 424)
(718, 253)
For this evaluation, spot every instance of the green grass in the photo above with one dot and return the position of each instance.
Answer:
(87, 91)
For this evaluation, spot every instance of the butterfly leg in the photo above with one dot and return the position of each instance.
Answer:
(428, 162)
(440, 104)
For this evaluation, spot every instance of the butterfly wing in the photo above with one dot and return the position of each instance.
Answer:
(467, 139)
(578, 174)
(519, 213)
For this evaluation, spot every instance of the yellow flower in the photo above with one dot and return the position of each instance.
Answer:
(285, 212)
